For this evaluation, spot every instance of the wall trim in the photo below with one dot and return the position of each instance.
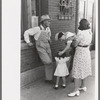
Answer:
(24, 45)
(32, 75)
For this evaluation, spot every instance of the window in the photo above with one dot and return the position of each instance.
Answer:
(31, 10)
(28, 15)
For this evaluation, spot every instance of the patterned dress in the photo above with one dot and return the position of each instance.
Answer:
(82, 58)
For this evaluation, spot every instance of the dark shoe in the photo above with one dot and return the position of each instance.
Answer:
(49, 81)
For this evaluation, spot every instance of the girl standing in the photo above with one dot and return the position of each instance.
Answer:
(61, 69)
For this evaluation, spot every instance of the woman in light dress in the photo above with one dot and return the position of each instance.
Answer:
(82, 58)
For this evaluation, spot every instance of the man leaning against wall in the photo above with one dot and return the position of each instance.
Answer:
(42, 36)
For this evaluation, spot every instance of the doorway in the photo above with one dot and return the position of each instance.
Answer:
(87, 10)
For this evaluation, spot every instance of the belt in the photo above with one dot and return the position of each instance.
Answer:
(83, 45)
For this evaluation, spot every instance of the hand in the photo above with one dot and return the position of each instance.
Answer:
(61, 52)
(30, 44)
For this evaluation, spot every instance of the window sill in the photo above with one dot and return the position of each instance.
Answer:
(25, 46)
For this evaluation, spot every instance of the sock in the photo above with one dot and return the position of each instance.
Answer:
(64, 84)
(56, 85)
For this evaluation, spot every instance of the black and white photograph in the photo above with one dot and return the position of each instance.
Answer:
(58, 49)
(53, 50)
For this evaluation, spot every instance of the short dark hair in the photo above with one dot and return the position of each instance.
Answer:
(61, 56)
(84, 24)
(60, 35)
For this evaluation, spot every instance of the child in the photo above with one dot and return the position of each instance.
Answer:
(69, 39)
(61, 69)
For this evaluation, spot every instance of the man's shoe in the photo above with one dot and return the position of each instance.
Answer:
(49, 81)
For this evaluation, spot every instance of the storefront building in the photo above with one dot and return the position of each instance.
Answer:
(62, 20)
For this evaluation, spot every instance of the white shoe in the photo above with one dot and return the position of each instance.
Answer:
(83, 89)
(77, 93)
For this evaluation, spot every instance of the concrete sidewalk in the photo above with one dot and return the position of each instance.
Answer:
(40, 90)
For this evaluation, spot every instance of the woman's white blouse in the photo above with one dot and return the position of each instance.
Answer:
(84, 37)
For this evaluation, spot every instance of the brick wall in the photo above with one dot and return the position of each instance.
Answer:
(29, 56)
(60, 25)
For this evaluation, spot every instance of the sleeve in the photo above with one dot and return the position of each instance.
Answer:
(69, 41)
(66, 59)
(57, 59)
(79, 36)
(30, 32)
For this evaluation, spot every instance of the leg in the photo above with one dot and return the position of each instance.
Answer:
(48, 71)
(70, 68)
(57, 83)
(57, 80)
(83, 83)
(76, 91)
(47, 61)
(64, 80)
(71, 63)
(83, 86)
(76, 84)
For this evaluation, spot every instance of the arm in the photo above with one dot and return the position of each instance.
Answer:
(66, 48)
(67, 58)
(71, 38)
(57, 60)
(30, 32)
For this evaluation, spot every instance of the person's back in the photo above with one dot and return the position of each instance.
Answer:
(85, 37)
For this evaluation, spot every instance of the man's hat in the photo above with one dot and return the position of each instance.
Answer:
(44, 17)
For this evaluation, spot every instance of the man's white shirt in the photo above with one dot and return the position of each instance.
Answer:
(36, 31)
